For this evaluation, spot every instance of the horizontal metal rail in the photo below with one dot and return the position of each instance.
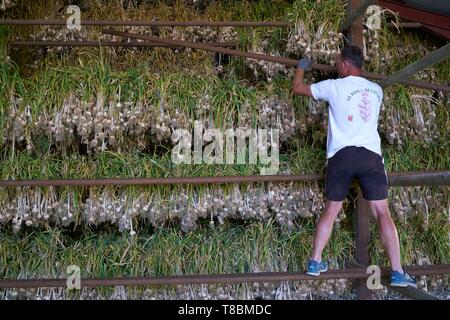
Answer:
(105, 23)
(347, 273)
(286, 61)
(62, 22)
(90, 43)
(162, 181)
(402, 178)
(412, 25)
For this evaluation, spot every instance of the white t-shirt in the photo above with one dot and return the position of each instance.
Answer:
(353, 114)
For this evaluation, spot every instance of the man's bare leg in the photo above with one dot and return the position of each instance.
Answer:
(388, 232)
(324, 228)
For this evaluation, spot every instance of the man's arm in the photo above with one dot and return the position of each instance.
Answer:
(299, 88)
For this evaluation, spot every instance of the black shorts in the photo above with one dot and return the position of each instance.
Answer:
(360, 163)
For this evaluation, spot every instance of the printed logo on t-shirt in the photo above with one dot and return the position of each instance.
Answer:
(364, 107)
(350, 118)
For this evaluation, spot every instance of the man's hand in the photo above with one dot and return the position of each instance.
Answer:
(305, 64)
(299, 88)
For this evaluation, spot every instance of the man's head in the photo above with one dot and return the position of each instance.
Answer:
(350, 61)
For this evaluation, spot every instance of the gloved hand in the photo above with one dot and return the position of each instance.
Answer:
(305, 64)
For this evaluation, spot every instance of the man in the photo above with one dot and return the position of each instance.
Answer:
(353, 151)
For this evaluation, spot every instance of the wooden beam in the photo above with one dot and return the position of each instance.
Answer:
(356, 28)
(361, 225)
(430, 59)
(357, 9)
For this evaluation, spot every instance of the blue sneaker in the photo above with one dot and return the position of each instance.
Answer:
(315, 268)
(402, 280)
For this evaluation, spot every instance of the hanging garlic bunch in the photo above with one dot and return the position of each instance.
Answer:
(31, 207)
(215, 202)
(133, 209)
(201, 34)
(227, 34)
(203, 108)
(58, 33)
(323, 47)
(7, 208)
(299, 42)
(7, 4)
(417, 200)
(156, 211)
(101, 125)
(284, 203)
(244, 118)
(265, 68)
(398, 126)
(326, 45)
(314, 120)
(371, 49)
(66, 211)
(139, 30)
(180, 207)
(19, 124)
(278, 114)
(101, 208)
(161, 132)
(288, 204)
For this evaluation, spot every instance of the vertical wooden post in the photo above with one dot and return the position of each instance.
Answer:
(361, 216)
(361, 225)
(356, 29)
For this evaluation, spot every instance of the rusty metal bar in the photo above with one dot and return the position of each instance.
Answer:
(439, 32)
(434, 57)
(424, 178)
(287, 61)
(412, 25)
(358, 8)
(62, 22)
(126, 23)
(28, 43)
(348, 273)
(405, 178)
(162, 181)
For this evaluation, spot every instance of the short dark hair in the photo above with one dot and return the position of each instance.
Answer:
(354, 55)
